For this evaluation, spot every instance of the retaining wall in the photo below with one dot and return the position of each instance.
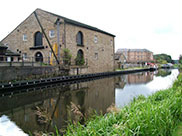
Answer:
(15, 73)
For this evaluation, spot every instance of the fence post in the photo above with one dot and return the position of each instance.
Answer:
(22, 61)
(32, 62)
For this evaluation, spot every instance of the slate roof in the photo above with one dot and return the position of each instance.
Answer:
(73, 22)
(10, 53)
(69, 21)
(119, 51)
(3, 47)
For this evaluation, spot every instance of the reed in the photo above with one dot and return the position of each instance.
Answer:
(158, 114)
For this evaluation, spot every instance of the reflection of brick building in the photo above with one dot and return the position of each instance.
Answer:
(139, 78)
(135, 55)
(88, 95)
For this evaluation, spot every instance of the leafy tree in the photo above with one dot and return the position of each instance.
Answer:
(163, 58)
(180, 59)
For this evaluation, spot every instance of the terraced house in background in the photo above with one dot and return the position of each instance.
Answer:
(47, 44)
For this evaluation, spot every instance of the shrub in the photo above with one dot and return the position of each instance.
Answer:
(79, 60)
(67, 57)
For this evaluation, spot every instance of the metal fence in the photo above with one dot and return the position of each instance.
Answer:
(32, 61)
(25, 61)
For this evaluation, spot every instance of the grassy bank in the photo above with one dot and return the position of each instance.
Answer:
(178, 130)
(158, 114)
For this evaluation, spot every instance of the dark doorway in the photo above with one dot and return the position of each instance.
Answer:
(80, 53)
(38, 57)
(80, 58)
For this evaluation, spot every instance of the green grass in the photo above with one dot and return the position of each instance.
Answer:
(157, 115)
(178, 130)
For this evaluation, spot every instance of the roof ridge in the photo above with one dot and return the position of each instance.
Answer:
(77, 22)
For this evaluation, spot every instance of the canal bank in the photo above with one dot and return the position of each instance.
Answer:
(39, 82)
(57, 101)
(158, 114)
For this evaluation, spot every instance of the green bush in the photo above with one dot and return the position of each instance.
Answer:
(79, 60)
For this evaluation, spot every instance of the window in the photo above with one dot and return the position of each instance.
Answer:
(111, 42)
(96, 56)
(38, 39)
(79, 38)
(25, 37)
(95, 39)
(51, 33)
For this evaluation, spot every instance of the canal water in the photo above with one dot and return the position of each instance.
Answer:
(41, 109)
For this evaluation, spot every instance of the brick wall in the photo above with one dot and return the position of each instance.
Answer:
(99, 56)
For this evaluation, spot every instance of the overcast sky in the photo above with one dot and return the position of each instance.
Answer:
(152, 24)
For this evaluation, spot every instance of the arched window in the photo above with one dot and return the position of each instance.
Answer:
(79, 38)
(38, 39)
(38, 57)
(80, 58)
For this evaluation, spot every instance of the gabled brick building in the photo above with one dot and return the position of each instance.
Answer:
(94, 45)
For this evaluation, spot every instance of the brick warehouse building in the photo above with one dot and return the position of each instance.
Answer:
(94, 45)
(132, 56)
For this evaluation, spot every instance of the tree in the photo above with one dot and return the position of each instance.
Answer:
(163, 58)
(180, 59)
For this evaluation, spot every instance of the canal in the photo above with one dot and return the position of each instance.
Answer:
(41, 109)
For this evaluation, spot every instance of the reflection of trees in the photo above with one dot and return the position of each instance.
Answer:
(43, 116)
(180, 70)
(163, 73)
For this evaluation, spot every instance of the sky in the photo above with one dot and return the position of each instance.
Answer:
(155, 25)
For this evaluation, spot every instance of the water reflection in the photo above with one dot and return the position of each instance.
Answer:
(146, 84)
(42, 109)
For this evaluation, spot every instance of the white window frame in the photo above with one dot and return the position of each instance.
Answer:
(25, 38)
(95, 39)
(52, 33)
